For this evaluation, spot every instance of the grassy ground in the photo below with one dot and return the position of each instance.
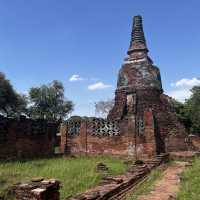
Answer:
(146, 186)
(76, 174)
(190, 182)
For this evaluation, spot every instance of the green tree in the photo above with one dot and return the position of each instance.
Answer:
(189, 112)
(11, 103)
(49, 102)
(192, 110)
(181, 113)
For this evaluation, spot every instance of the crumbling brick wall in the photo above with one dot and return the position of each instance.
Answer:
(26, 138)
(96, 136)
(135, 137)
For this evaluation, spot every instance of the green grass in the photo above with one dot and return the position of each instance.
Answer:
(190, 182)
(146, 186)
(76, 174)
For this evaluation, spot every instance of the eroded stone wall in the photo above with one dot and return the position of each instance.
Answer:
(26, 138)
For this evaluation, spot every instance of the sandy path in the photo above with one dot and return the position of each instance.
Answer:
(168, 186)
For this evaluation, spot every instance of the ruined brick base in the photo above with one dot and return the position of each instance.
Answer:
(156, 120)
(38, 190)
(115, 188)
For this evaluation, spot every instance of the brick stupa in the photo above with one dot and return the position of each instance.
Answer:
(140, 102)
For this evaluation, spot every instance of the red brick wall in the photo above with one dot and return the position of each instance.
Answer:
(176, 143)
(166, 124)
(126, 143)
(26, 138)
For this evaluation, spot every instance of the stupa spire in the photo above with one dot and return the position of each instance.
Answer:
(138, 42)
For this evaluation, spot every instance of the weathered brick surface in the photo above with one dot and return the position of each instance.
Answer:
(85, 141)
(38, 190)
(26, 138)
(147, 123)
(139, 80)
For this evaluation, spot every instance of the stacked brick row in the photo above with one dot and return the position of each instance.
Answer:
(38, 190)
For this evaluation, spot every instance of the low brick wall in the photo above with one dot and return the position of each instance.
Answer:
(26, 138)
(118, 138)
(38, 190)
(116, 187)
(179, 142)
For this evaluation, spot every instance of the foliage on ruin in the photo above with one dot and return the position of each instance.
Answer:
(189, 112)
(180, 109)
(193, 110)
(11, 103)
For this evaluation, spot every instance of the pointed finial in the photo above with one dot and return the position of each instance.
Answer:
(138, 42)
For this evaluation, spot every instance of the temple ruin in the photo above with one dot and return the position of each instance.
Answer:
(142, 122)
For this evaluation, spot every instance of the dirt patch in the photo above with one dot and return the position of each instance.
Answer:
(168, 186)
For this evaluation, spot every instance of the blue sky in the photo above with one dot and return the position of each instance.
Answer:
(43, 40)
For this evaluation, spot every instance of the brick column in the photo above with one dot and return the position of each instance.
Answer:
(149, 133)
(63, 132)
(83, 137)
(131, 136)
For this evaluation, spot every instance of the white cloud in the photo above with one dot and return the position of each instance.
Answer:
(98, 86)
(75, 77)
(180, 94)
(185, 82)
(182, 88)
